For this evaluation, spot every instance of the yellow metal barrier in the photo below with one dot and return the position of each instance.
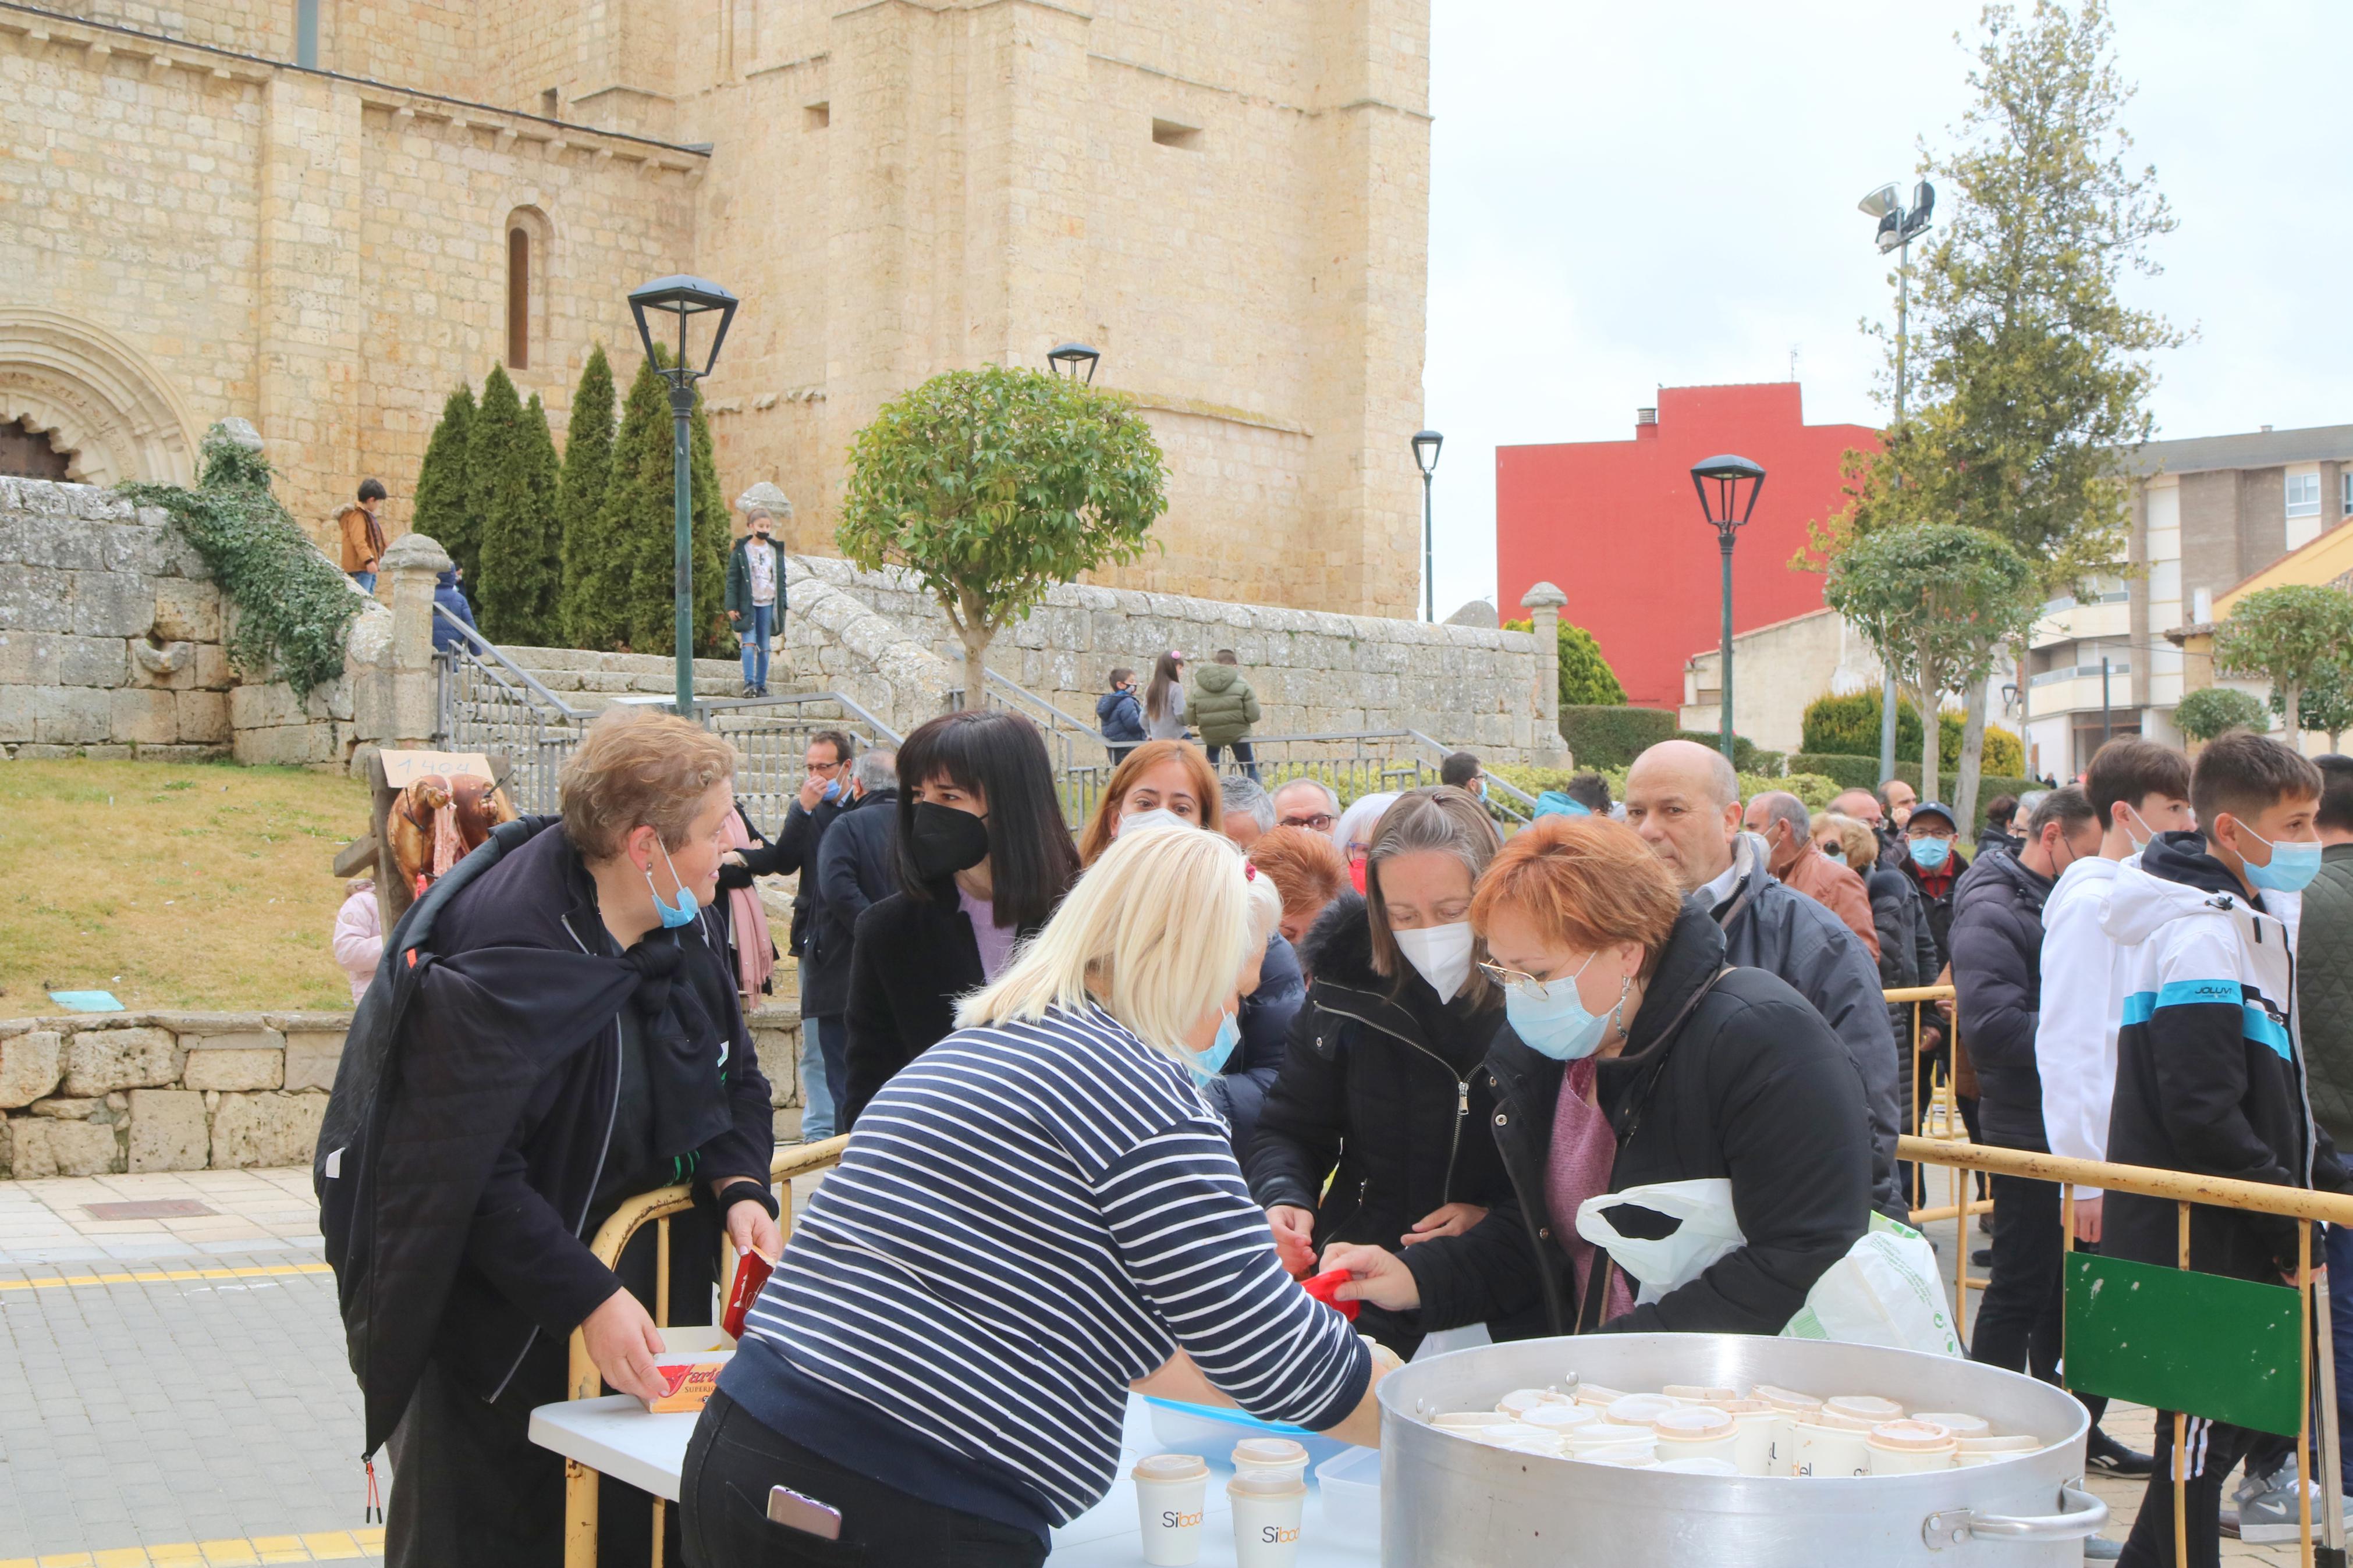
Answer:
(657, 1207)
(2184, 1190)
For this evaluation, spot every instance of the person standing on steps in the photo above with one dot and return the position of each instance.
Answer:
(1163, 698)
(1120, 713)
(755, 598)
(363, 535)
(853, 869)
(1224, 709)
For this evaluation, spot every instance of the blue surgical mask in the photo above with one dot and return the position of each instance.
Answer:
(833, 789)
(672, 915)
(1551, 1018)
(1833, 854)
(1930, 854)
(1207, 1065)
(2293, 865)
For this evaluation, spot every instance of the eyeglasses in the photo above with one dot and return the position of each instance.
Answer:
(823, 767)
(1510, 979)
(1321, 822)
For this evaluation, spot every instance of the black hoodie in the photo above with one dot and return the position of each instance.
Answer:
(1997, 937)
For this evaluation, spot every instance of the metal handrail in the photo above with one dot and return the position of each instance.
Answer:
(484, 644)
(584, 1381)
(840, 699)
(1055, 718)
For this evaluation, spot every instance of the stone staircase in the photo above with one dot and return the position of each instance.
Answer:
(591, 680)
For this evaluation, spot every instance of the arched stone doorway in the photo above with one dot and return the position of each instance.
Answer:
(86, 396)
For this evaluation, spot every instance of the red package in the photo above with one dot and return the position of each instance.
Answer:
(751, 1271)
(686, 1384)
(1322, 1288)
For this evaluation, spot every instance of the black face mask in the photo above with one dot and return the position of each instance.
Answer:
(946, 840)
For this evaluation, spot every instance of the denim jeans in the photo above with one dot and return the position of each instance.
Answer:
(1243, 754)
(817, 1092)
(367, 580)
(759, 626)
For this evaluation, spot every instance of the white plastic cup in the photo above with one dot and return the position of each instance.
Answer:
(1171, 1493)
(1267, 1508)
(1753, 1434)
(1971, 1452)
(1563, 1418)
(1627, 1455)
(1868, 1407)
(1519, 1401)
(1469, 1420)
(1600, 1398)
(1275, 1455)
(1956, 1423)
(1821, 1451)
(1695, 1432)
(1908, 1447)
(1792, 1408)
(1638, 1409)
(1509, 1433)
(1579, 1441)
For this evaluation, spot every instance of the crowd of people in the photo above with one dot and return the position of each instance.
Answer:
(1243, 1031)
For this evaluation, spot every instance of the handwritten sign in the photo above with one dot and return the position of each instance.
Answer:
(402, 769)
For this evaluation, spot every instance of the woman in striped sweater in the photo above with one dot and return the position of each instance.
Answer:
(1034, 1217)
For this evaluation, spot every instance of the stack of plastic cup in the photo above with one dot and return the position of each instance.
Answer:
(1268, 1504)
(1908, 1447)
(1279, 1456)
(1171, 1492)
(1695, 1432)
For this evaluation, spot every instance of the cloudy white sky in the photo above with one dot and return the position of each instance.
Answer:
(1625, 197)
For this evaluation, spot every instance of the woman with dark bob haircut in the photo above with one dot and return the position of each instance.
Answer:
(984, 860)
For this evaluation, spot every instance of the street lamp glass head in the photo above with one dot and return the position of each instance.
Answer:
(1068, 358)
(681, 297)
(1426, 444)
(1879, 204)
(1719, 481)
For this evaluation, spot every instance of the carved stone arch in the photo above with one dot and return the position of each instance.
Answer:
(96, 397)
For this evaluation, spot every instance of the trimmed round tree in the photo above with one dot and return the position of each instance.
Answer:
(2285, 636)
(2212, 711)
(994, 485)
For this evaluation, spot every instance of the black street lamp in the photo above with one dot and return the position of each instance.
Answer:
(1898, 226)
(1727, 473)
(1066, 359)
(1426, 444)
(685, 298)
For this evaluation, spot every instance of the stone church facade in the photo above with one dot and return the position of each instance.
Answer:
(324, 215)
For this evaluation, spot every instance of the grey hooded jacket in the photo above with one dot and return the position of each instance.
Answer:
(1780, 930)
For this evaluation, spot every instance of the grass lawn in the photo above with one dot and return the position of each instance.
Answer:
(174, 885)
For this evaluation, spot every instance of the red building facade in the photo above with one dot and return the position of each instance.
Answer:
(1617, 526)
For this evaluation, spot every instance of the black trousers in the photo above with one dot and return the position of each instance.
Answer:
(2214, 1450)
(2019, 1321)
(723, 1495)
(1243, 754)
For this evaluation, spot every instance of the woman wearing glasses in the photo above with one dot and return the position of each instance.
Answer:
(1636, 1055)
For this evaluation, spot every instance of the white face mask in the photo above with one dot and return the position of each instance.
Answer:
(1441, 955)
(1158, 816)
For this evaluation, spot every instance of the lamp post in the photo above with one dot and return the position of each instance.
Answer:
(1725, 514)
(1426, 444)
(683, 297)
(1896, 228)
(1066, 358)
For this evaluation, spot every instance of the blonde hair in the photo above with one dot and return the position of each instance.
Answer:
(1265, 908)
(1855, 837)
(636, 769)
(1157, 930)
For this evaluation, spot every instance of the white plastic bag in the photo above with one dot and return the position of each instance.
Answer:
(1886, 1290)
(1708, 1231)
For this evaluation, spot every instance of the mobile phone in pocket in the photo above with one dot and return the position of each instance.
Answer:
(805, 1514)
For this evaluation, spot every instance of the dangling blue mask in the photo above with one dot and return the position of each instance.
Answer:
(1207, 1065)
(682, 912)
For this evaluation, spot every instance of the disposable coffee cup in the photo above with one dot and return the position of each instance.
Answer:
(1600, 1398)
(1266, 1511)
(1695, 1432)
(1171, 1493)
(1956, 1423)
(1868, 1407)
(1908, 1447)
(1582, 1440)
(1519, 1401)
(1781, 1459)
(1638, 1409)
(1563, 1418)
(1971, 1452)
(1753, 1432)
(1274, 1456)
(1469, 1420)
(1826, 1451)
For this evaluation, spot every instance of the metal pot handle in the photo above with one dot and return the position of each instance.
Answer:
(2081, 1515)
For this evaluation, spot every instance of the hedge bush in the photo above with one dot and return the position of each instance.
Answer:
(1851, 771)
(1814, 789)
(1849, 727)
(1611, 736)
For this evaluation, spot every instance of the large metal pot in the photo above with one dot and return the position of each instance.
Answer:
(1449, 1503)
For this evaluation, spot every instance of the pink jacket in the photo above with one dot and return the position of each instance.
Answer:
(359, 936)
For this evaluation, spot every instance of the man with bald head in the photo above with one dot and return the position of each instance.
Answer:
(1780, 819)
(1684, 800)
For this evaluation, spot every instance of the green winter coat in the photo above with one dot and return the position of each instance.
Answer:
(1223, 707)
(2325, 991)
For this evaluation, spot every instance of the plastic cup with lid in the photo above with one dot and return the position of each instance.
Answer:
(1171, 1491)
(1468, 1420)
(1753, 1436)
(1698, 1467)
(1519, 1401)
(1971, 1452)
(1638, 1409)
(1628, 1455)
(1695, 1432)
(1699, 1393)
(1582, 1440)
(1267, 1505)
(1790, 1408)
(1956, 1423)
(1275, 1455)
(1600, 1398)
(1908, 1447)
(1563, 1418)
(1822, 1449)
(1868, 1407)
(1509, 1433)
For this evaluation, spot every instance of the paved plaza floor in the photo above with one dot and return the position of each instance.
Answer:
(173, 1388)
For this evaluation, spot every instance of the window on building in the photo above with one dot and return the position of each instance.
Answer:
(550, 104)
(1170, 133)
(306, 34)
(816, 116)
(2345, 488)
(2304, 495)
(517, 298)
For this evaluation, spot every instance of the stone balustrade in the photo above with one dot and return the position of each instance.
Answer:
(86, 1094)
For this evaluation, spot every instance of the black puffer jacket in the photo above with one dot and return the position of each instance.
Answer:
(1239, 1091)
(2325, 947)
(1376, 1118)
(1998, 972)
(1746, 1083)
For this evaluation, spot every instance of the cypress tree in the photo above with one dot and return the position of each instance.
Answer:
(439, 509)
(637, 500)
(520, 568)
(490, 449)
(644, 507)
(582, 607)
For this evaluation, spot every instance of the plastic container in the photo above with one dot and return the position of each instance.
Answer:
(1956, 1423)
(1351, 1488)
(1753, 1436)
(1582, 1440)
(1867, 1407)
(1792, 1409)
(1506, 1434)
(1214, 1430)
(1908, 1447)
(1171, 1493)
(1267, 1510)
(1970, 1452)
(1826, 1450)
(1695, 1432)
(1638, 1409)
(1519, 1401)
(1273, 1456)
(1469, 1420)
(1600, 1398)
(1564, 1417)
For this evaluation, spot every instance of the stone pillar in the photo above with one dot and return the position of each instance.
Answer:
(1542, 603)
(411, 565)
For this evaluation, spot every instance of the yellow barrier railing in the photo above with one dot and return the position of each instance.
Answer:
(656, 1207)
(2185, 1190)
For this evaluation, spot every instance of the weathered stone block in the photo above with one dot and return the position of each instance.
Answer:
(214, 672)
(201, 718)
(312, 1059)
(135, 549)
(143, 717)
(250, 1130)
(171, 665)
(232, 1070)
(98, 1061)
(68, 1109)
(36, 599)
(285, 746)
(112, 605)
(168, 1131)
(268, 704)
(263, 1038)
(71, 715)
(30, 1066)
(55, 541)
(43, 1147)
